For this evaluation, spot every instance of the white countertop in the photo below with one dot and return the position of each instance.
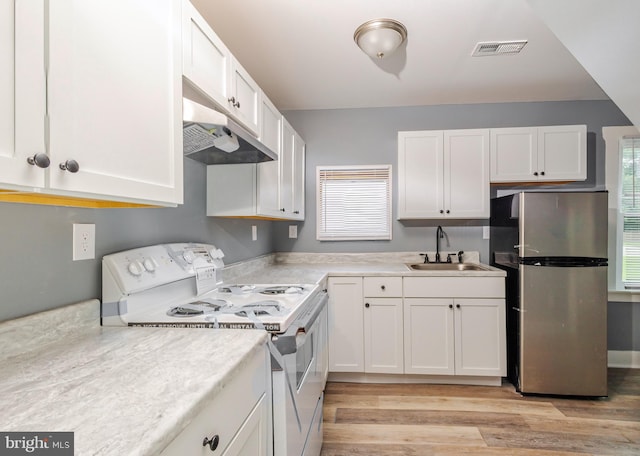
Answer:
(313, 268)
(122, 391)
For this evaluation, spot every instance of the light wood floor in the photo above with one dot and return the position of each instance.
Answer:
(446, 420)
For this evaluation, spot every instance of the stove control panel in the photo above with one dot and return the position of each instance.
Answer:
(148, 267)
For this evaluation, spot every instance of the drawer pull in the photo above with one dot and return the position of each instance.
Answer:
(213, 442)
(382, 287)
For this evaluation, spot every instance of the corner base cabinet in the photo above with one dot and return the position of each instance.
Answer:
(237, 420)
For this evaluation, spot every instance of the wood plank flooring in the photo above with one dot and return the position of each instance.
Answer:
(447, 420)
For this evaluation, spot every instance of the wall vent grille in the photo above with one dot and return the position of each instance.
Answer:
(498, 48)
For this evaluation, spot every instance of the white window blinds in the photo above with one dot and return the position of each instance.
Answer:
(630, 210)
(354, 203)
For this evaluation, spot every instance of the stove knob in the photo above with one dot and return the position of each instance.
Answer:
(188, 256)
(149, 264)
(135, 268)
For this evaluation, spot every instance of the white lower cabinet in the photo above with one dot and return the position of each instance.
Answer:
(237, 420)
(436, 326)
(445, 336)
(365, 325)
(346, 324)
(454, 326)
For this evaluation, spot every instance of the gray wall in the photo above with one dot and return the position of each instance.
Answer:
(369, 136)
(36, 270)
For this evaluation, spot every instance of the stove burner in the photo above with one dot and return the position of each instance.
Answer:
(197, 308)
(284, 289)
(260, 308)
(237, 289)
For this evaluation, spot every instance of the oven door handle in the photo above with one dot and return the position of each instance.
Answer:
(287, 343)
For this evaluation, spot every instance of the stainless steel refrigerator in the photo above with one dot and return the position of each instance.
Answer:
(553, 246)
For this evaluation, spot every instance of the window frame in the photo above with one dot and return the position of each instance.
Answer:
(322, 235)
(613, 182)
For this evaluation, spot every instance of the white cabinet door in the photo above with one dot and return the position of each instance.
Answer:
(346, 320)
(562, 153)
(22, 94)
(443, 174)
(206, 61)
(287, 169)
(383, 340)
(514, 154)
(299, 163)
(539, 154)
(269, 172)
(245, 100)
(251, 439)
(466, 173)
(114, 99)
(420, 174)
(480, 337)
(428, 336)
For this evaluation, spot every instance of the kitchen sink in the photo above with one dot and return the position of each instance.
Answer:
(447, 267)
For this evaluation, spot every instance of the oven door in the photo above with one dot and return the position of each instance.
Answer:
(298, 379)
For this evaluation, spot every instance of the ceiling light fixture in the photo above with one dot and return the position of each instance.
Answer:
(379, 38)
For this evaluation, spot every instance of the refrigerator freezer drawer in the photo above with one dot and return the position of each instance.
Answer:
(563, 337)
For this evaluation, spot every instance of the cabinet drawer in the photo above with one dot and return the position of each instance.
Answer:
(454, 287)
(383, 287)
(226, 413)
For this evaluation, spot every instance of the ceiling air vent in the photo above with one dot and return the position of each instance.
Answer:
(498, 48)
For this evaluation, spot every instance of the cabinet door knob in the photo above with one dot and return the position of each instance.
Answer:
(448, 211)
(70, 165)
(213, 442)
(542, 173)
(382, 287)
(296, 212)
(282, 209)
(366, 305)
(457, 306)
(441, 211)
(450, 306)
(40, 160)
(536, 173)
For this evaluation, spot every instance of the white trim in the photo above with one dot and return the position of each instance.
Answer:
(612, 136)
(623, 296)
(359, 377)
(624, 358)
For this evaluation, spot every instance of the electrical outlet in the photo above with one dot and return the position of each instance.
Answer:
(84, 241)
(293, 231)
(254, 233)
(486, 232)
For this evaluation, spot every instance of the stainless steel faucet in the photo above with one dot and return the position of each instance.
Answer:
(439, 235)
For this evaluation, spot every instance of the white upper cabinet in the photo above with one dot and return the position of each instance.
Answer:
(268, 173)
(244, 102)
(103, 107)
(539, 154)
(206, 61)
(22, 95)
(443, 174)
(292, 168)
(211, 70)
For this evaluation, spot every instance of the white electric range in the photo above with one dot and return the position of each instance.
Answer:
(179, 286)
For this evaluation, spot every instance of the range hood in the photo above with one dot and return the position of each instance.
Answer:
(213, 138)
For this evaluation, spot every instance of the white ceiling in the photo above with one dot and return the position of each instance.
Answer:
(302, 54)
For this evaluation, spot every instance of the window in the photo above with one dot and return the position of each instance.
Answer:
(629, 216)
(623, 184)
(354, 203)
